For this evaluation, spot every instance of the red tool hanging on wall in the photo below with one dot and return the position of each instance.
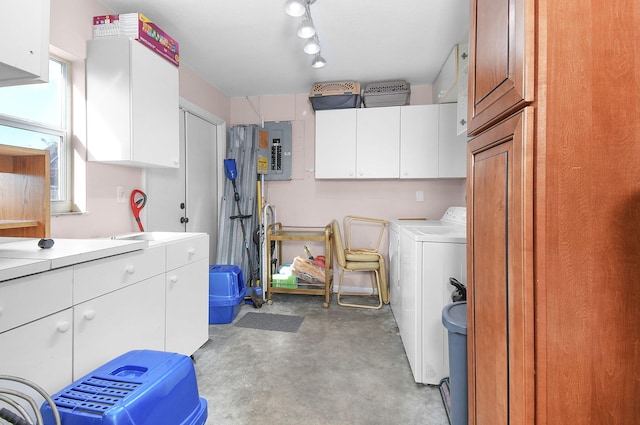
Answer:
(138, 200)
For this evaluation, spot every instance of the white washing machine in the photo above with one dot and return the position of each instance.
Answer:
(423, 256)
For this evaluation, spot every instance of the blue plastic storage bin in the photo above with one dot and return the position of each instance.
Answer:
(140, 387)
(226, 292)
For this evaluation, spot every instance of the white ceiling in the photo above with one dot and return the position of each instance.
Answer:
(250, 48)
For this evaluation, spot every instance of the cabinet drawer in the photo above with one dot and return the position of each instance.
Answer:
(187, 251)
(29, 298)
(99, 277)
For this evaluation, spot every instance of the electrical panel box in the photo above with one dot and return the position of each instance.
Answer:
(274, 151)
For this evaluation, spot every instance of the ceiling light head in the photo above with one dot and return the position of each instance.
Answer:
(318, 61)
(295, 8)
(306, 28)
(312, 46)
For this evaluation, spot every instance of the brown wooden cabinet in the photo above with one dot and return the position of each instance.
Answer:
(501, 60)
(554, 214)
(501, 294)
(24, 192)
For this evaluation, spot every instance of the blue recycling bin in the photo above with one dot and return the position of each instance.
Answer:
(454, 318)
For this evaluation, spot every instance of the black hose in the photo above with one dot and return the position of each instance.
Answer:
(12, 418)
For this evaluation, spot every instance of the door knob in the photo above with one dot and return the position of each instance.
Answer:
(181, 205)
(184, 220)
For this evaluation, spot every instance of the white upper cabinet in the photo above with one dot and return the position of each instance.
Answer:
(24, 29)
(132, 105)
(463, 88)
(419, 142)
(408, 142)
(358, 143)
(336, 144)
(444, 87)
(452, 148)
(378, 143)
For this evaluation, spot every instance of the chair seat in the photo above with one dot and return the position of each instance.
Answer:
(362, 265)
(361, 256)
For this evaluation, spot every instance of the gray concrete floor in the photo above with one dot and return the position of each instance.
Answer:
(343, 366)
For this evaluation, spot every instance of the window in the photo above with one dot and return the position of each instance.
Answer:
(37, 116)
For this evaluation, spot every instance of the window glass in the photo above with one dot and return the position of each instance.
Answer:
(35, 116)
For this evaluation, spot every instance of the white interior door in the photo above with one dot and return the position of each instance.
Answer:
(202, 179)
(186, 199)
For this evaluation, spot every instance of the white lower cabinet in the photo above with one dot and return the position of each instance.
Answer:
(112, 324)
(40, 351)
(187, 307)
(56, 326)
(35, 328)
(187, 289)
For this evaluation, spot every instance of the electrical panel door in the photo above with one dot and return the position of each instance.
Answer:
(276, 152)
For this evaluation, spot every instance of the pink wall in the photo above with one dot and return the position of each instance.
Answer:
(94, 183)
(301, 201)
(304, 201)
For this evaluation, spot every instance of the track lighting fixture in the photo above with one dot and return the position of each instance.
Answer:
(306, 30)
(318, 61)
(295, 8)
(312, 46)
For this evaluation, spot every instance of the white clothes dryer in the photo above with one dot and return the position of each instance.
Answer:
(423, 256)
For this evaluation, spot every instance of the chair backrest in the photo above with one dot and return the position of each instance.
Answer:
(338, 244)
(372, 226)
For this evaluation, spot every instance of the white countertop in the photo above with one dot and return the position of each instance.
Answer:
(22, 256)
(11, 268)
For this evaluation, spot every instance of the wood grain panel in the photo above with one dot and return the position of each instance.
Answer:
(501, 66)
(500, 334)
(24, 192)
(591, 214)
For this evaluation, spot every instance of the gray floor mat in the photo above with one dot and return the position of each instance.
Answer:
(270, 322)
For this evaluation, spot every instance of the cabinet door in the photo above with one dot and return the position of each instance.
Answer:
(24, 57)
(501, 60)
(452, 149)
(419, 142)
(132, 105)
(40, 351)
(500, 281)
(463, 88)
(154, 106)
(444, 87)
(378, 143)
(187, 314)
(336, 144)
(128, 319)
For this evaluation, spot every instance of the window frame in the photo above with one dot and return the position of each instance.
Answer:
(65, 152)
